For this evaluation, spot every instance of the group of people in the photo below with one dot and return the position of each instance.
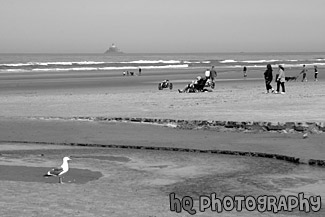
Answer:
(127, 73)
(198, 85)
(304, 73)
(281, 78)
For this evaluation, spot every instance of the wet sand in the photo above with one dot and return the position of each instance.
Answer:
(138, 182)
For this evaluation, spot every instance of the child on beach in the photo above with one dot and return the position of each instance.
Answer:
(280, 80)
(316, 73)
(268, 76)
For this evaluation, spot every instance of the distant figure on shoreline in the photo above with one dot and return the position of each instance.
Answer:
(268, 76)
(280, 80)
(316, 73)
(245, 71)
(140, 71)
(213, 73)
(304, 73)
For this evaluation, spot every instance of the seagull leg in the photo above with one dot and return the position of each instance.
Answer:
(60, 180)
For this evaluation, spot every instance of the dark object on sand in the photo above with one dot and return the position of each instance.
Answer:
(294, 78)
(165, 84)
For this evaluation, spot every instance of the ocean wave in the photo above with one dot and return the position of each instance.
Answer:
(228, 61)
(95, 68)
(259, 61)
(189, 62)
(154, 61)
(52, 63)
(14, 70)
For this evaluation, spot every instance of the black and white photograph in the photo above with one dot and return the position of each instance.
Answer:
(162, 108)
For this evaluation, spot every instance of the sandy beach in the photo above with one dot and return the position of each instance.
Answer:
(86, 129)
(35, 129)
(112, 95)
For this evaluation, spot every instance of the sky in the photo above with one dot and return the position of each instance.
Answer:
(161, 26)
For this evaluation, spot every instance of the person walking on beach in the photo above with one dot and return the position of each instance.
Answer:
(245, 71)
(140, 71)
(280, 80)
(316, 73)
(268, 76)
(304, 73)
(213, 73)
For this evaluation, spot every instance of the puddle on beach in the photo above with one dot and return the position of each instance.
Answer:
(35, 174)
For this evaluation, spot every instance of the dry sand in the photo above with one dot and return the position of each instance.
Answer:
(138, 96)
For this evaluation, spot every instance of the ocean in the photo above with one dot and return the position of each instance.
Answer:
(13, 63)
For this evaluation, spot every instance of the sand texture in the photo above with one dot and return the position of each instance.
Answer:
(37, 129)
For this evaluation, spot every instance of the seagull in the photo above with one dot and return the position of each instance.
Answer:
(60, 170)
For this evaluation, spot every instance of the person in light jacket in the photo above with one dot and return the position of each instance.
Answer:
(281, 80)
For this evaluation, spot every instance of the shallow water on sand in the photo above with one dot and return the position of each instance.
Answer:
(185, 174)
(190, 173)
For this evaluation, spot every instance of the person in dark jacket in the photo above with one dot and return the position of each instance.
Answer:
(268, 76)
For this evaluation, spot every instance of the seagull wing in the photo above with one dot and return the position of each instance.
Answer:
(55, 172)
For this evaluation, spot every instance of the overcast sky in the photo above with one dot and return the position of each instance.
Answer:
(139, 26)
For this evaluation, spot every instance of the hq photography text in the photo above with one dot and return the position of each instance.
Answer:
(262, 203)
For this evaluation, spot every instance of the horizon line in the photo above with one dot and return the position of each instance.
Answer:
(125, 53)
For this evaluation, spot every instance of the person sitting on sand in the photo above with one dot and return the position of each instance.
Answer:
(188, 87)
(199, 86)
(195, 86)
